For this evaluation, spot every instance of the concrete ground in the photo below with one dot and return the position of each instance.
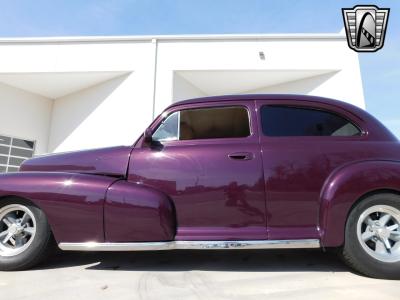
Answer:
(273, 274)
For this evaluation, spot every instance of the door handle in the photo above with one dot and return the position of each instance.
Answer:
(241, 156)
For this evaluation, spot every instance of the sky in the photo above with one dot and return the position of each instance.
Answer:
(380, 70)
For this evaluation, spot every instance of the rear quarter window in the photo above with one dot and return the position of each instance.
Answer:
(285, 121)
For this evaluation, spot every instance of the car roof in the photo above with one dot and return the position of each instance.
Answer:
(252, 97)
(358, 112)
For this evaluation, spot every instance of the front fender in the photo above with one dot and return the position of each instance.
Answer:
(73, 203)
(345, 186)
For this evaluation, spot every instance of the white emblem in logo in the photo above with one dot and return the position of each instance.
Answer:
(365, 27)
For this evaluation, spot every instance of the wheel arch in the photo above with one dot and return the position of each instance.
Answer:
(26, 200)
(67, 199)
(19, 198)
(371, 193)
(348, 186)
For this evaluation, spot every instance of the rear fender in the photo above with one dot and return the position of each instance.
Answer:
(345, 186)
(137, 213)
(73, 203)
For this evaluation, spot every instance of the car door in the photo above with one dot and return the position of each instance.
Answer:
(296, 139)
(207, 160)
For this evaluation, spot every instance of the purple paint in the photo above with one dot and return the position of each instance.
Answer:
(292, 188)
(106, 161)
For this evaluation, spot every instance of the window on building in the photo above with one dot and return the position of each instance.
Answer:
(204, 123)
(13, 152)
(295, 121)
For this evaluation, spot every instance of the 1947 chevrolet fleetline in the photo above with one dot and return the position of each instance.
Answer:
(228, 172)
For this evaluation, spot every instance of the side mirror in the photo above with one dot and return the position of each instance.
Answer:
(148, 137)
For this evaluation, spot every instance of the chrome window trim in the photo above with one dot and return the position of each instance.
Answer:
(219, 106)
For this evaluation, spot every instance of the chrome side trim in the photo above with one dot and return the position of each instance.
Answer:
(195, 245)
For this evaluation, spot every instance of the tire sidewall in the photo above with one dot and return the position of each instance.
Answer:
(36, 248)
(364, 262)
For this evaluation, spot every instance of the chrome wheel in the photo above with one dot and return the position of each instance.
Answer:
(379, 234)
(17, 229)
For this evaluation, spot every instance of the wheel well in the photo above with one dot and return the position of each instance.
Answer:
(16, 198)
(368, 194)
(19, 199)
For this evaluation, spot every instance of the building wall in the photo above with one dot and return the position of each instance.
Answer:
(108, 113)
(343, 85)
(25, 115)
(150, 74)
(183, 89)
(238, 56)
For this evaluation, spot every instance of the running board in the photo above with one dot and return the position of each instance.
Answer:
(194, 245)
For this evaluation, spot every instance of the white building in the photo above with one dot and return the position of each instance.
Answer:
(84, 92)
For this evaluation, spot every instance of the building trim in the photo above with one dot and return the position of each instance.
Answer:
(155, 43)
(149, 38)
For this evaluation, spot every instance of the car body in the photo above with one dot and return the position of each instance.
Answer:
(281, 182)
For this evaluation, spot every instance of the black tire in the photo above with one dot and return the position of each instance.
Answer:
(353, 252)
(38, 248)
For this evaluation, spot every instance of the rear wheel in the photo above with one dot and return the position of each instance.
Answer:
(24, 235)
(372, 238)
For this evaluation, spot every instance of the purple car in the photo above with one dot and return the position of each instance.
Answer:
(229, 172)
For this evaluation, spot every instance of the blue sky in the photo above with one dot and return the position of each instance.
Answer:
(380, 70)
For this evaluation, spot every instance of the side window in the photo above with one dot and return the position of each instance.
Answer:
(169, 129)
(295, 121)
(204, 123)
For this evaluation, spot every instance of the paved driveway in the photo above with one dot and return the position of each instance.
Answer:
(283, 274)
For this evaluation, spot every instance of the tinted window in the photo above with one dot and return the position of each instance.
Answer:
(204, 123)
(12, 169)
(15, 161)
(21, 152)
(13, 152)
(4, 149)
(294, 121)
(5, 140)
(168, 130)
(3, 160)
(23, 143)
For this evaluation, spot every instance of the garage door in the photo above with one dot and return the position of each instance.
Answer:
(13, 151)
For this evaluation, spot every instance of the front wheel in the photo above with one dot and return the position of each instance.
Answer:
(24, 235)
(372, 237)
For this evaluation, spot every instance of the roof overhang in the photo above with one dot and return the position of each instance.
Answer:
(222, 82)
(54, 85)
